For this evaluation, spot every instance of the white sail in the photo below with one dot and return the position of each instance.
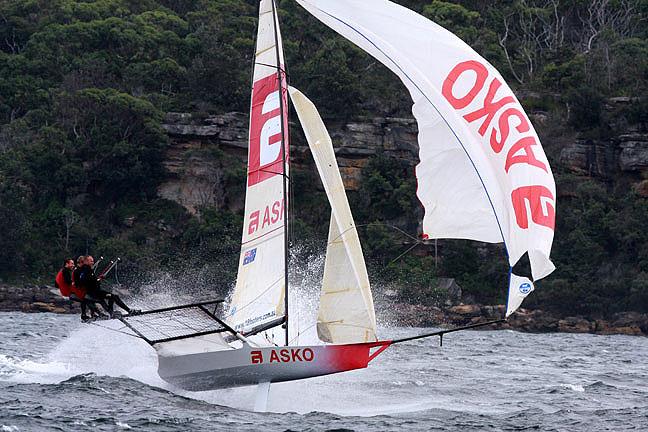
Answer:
(483, 174)
(346, 312)
(258, 297)
(519, 288)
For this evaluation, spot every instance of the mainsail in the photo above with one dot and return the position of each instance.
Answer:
(346, 312)
(482, 173)
(258, 298)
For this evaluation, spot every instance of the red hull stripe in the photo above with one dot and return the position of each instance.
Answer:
(383, 346)
(354, 356)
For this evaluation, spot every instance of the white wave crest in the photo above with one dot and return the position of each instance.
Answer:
(575, 387)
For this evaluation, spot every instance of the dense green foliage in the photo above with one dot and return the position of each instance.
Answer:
(84, 85)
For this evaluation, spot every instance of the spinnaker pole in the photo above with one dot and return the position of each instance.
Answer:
(284, 134)
(440, 333)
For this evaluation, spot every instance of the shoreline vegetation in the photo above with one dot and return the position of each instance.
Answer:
(124, 128)
(44, 298)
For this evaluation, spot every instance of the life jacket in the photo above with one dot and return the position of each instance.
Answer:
(63, 286)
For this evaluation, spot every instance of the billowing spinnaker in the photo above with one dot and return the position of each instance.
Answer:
(258, 297)
(482, 173)
(346, 312)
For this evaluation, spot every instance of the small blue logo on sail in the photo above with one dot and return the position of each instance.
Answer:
(525, 288)
(249, 256)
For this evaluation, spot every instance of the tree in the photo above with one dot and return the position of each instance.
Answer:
(118, 139)
(14, 212)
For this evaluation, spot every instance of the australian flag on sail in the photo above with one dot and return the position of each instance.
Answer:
(249, 256)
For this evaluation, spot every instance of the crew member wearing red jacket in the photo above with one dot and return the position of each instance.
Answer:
(66, 284)
(64, 280)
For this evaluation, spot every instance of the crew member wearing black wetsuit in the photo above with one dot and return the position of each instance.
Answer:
(77, 269)
(91, 283)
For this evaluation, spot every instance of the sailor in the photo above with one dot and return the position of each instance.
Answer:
(79, 263)
(63, 279)
(65, 282)
(92, 285)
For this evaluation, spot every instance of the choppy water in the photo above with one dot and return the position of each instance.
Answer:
(58, 374)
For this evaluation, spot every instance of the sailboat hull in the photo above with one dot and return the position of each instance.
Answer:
(251, 365)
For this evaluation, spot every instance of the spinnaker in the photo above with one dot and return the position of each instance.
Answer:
(483, 174)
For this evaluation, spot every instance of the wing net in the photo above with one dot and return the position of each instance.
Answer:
(165, 325)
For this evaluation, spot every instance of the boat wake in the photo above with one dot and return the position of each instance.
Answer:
(18, 370)
(105, 350)
(96, 350)
(109, 378)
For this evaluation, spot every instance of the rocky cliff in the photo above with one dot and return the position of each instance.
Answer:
(532, 321)
(623, 156)
(196, 165)
(197, 172)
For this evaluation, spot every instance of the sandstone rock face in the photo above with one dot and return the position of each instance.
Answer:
(634, 152)
(452, 289)
(195, 177)
(356, 142)
(33, 298)
(197, 169)
(197, 173)
(466, 310)
(228, 129)
(574, 325)
(46, 307)
(630, 319)
(525, 320)
(629, 331)
(625, 152)
(589, 158)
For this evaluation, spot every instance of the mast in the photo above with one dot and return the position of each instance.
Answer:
(284, 133)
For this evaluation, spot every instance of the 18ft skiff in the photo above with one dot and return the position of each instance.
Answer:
(482, 175)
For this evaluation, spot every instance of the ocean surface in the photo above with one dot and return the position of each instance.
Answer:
(58, 374)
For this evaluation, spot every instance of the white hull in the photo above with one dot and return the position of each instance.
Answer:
(250, 365)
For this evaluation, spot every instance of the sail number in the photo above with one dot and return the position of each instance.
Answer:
(284, 355)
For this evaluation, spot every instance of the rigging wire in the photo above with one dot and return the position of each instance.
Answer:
(394, 227)
(119, 330)
(116, 276)
(417, 241)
